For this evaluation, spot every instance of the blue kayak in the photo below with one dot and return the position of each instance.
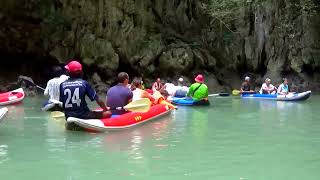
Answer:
(277, 97)
(189, 102)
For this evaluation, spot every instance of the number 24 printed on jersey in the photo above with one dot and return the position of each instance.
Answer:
(72, 98)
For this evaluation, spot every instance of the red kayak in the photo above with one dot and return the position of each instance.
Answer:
(123, 121)
(11, 97)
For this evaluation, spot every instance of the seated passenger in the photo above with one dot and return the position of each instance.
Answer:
(268, 88)
(157, 86)
(138, 93)
(198, 90)
(181, 90)
(119, 95)
(283, 89)
(246, 87)
(53, 89)
(72, 96)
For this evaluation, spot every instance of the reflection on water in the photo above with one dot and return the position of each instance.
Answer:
(3, 153)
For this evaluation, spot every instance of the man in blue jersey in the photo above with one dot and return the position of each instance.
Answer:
(72, 96)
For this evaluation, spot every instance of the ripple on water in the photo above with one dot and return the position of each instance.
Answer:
(3, 153)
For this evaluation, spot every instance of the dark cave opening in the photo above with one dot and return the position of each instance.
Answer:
(31, 65)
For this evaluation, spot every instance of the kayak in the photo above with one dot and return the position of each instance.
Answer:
(290, 97)
(3, 112)
(11, 97)
(52, 106)
(119, 122)
(189, 102)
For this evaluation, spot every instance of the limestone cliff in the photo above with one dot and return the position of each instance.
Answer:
(165, 38)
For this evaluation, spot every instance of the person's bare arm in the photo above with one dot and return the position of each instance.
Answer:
(101, 104)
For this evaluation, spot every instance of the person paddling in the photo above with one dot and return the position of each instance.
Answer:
(119, 95)
(72, 95)
(198, 90)
(246, 87)
(53, 89)
(268, 88)
(283, 89)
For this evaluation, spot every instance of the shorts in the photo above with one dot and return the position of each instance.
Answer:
(86, 115)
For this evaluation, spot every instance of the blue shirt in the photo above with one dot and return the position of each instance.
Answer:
(118, 96)
(72, 96)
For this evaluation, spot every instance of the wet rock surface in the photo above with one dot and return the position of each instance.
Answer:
(165, 38)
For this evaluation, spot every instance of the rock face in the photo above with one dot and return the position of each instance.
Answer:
(167, 38)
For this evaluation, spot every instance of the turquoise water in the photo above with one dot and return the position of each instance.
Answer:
(232, 139)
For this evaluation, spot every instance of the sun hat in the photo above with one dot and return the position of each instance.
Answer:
(199, 78)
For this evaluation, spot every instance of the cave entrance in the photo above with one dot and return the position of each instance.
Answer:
(32, 65)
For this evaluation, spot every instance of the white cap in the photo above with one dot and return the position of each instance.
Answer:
(247, 78)
(268, 79)
(180, 79)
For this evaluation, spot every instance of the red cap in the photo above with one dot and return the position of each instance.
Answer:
(73, 66)
(199, 78)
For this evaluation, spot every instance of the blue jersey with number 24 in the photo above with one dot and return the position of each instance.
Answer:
(72, 95)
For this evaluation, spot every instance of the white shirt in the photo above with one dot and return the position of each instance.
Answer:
(170, 88)
(137, 93)
(267, 88)
(53, 88)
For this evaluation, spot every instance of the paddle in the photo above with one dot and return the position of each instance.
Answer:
(235, 92)
(219, 94)
(25, 78)
(57, 114)
(141, 105)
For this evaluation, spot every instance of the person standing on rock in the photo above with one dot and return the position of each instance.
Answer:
(73, 93)
(246, 87)
(119, 95)
(53, 90)
(157, 86)
(198, 90)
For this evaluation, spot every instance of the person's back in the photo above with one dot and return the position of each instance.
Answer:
(53, 86)
(72, 94)
(119, 95)
(198, 91)
(171, 88)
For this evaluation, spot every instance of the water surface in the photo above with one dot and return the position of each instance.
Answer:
(231, 139)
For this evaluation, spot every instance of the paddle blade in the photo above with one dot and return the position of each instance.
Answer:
(235, 92)
(57, 114)
(141, 105)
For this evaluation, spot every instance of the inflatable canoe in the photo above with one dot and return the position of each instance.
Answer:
(276, 97)
(189, 102)
(123, 121)
(11, 97)
(3, 112)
